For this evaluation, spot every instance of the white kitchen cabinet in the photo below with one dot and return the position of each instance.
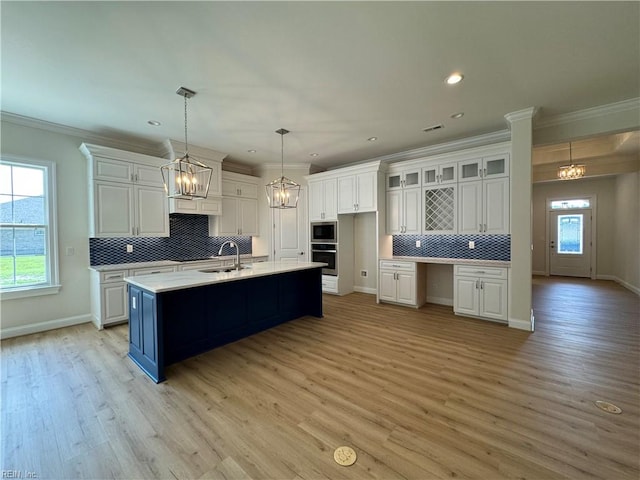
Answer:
(484, 206)
(403, 179)
(128, 210)
(404, 209)
(127, 197)
(238, 185)
(203, 206)
(439, 209)
(495, 166)
(239, 207)
(109, 299)
(480, 292)
(358, 193)
(329, 284)
(440, 174)
(402, 282)
(323, 200)
(240, 217)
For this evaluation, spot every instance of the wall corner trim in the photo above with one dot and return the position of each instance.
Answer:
(520, 324)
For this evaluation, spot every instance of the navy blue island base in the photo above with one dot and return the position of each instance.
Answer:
(168, 327)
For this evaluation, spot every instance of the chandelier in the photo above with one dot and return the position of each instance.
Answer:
(571, 172)
(186, 177)
(282, 192)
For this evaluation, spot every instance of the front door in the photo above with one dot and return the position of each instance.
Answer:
(291, 232)
(570, 243)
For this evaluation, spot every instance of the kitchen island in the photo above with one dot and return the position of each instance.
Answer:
(174, 316)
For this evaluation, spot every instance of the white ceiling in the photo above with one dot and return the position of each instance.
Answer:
(334, 73)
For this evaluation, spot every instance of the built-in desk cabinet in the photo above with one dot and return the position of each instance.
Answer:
(480, 292)
(402, 282)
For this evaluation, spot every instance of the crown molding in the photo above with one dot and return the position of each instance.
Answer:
(135, 145)
(455, 145)
(524, 114)
(174, 148)
(589, 113)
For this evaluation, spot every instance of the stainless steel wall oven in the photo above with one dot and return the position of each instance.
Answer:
(326, 253)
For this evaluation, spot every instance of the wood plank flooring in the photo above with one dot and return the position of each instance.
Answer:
(418, 394)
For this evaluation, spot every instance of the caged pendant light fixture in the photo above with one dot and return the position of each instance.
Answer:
(571, 171)
(185, 177)
(282, 192)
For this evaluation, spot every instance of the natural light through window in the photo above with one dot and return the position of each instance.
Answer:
(570, 234)
(27, 254)
(574, 203)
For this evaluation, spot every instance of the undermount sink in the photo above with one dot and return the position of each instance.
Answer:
(223, 269)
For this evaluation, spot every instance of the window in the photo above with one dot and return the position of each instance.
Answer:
(570, 234)
(575, 203)
(28, 247)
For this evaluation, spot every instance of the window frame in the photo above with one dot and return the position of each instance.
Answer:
(53, 284)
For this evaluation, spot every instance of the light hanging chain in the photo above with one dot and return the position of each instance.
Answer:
(186, 144)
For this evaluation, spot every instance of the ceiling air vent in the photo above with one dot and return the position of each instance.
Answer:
(433, 127)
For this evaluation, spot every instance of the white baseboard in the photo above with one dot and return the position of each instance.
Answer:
(542, 274)
(619, 281)
(43, 326)
(369, 290)
(440, 301)
(521, 324)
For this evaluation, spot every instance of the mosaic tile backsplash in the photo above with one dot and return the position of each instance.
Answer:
(487, 247)
(189, 240)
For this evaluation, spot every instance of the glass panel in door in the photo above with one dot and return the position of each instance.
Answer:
(494, 167)
(570, 234)
(393, 181)
(448, 173)
(412, 179)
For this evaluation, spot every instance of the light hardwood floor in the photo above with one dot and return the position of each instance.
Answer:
(417, 393)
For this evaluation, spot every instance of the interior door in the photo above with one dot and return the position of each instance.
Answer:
(291, 229)
(570, 243)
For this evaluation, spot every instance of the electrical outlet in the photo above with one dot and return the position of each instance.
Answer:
(70, 251)
(472, 244)
(129, 248)
(364, 273)
(417, 243)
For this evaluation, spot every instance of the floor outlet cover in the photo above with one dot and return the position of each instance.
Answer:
(608, 407)
(344, 456)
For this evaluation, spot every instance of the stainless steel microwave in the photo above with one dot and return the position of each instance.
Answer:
(324, 232)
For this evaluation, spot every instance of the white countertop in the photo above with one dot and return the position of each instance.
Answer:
(453, 261)
(165, 282)
(165, 263)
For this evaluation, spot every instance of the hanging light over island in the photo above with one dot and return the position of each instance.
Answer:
(282, 192)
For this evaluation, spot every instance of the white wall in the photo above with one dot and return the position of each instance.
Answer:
(604, 189)
(365, 254)
(71, 305)
(627, 230)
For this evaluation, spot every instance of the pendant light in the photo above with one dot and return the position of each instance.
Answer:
(185, 177)
(282, 192)
(571, 171)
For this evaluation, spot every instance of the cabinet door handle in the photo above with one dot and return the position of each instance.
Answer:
(482, 285)
(136, 177)
(477, 284)
(484, 172)
(112, 276)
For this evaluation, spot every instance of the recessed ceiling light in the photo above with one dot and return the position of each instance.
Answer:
(155, 123)
(372, 139)
(314, 154)
(458, 115)
(454, 78)
(251, 151)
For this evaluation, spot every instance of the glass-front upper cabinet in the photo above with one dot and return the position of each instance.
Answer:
(404, 179)
(440, 174)
(486, 167)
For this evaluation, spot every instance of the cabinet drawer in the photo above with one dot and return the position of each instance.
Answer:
(113, 276)
(329, 284)
(398, 265)
(151, 270)
(480, 271)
